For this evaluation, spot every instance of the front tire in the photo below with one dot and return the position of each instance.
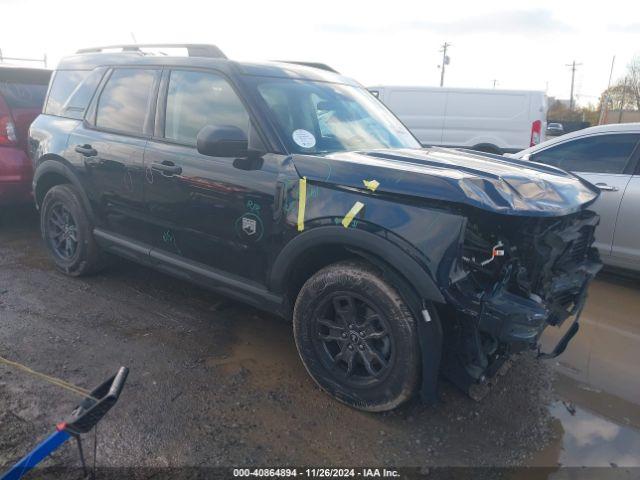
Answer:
(68, 232)
(356, 337)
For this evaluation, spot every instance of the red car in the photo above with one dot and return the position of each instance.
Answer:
(22, 93)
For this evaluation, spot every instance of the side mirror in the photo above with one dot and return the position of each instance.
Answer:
(224, 141)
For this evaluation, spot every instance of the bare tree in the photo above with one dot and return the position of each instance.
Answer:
(633, 81)
(625, 93)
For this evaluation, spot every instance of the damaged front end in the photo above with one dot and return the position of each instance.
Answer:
(511, 279)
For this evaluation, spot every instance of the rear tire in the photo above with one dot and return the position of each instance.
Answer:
(68, 232)
(356, 337)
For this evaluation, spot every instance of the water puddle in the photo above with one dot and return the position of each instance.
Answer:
(598, 388)
(598, 436)
(591, 440)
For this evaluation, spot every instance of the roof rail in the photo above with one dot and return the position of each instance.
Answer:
(321, 66)
(193, 49)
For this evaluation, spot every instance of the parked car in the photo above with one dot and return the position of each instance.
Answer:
(607, 156)
(22, 92)
(494, 121)
(554, 129)
(294, 190)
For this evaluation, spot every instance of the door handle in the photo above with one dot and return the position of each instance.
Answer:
(606, 188)
(86, 150)
(167, 168)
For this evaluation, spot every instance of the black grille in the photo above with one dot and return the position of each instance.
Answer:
(580, 246)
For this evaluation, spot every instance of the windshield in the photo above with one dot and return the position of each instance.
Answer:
(320, 117)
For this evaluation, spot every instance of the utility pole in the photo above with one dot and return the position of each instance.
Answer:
(495, 82)
(445, 61)
(573, 66)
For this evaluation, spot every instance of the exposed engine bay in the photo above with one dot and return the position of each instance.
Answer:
(512, 279)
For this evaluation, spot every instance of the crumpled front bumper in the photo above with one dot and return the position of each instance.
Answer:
(519, 321)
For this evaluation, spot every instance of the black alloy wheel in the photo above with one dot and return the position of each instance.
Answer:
(67, 230)
(357, 337)
(62, 232)
(352, 339)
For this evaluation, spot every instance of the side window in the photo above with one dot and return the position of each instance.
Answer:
(126, 99)
(63, 84)
(198, 99)
(597, 154)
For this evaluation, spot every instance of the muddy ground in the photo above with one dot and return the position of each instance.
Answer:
(218, 383)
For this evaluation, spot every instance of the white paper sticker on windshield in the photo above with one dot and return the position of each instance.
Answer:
(304, 138)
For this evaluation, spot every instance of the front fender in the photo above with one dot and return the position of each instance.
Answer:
(419, 278)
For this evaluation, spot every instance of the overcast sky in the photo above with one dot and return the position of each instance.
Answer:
(521, 44)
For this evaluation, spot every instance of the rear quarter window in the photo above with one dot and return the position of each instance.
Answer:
(71, 91)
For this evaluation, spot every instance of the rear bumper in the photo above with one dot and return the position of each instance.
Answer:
(16, 174)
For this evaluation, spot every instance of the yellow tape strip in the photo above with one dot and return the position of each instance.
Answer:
(302, 203)
(47, 378)
(348, 218)
(371, 184)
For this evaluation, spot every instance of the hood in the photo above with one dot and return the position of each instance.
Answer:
(490, 182)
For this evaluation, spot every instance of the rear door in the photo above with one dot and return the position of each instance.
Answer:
(606, 160)
(110, 144)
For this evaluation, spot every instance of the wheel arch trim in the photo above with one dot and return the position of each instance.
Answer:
(358, 240)
(54, 164)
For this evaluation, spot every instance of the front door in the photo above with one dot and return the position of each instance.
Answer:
(111, 146)
(626, 241)
(605, 161)
(215, 211)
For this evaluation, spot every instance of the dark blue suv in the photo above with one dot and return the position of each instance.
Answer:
(293, 189)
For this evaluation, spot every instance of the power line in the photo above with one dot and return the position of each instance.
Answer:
(604, 102)
(573, 66)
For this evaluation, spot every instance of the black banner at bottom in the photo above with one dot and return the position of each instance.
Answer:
(404, 473)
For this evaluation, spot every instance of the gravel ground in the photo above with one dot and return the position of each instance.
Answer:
(215, 383)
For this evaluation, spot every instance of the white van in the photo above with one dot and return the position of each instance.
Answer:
(496, 121)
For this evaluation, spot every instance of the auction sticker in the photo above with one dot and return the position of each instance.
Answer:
(304, 138)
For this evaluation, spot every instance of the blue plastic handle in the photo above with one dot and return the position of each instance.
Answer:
(33, 458)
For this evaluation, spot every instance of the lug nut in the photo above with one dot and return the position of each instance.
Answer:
(344, 335)
(361, 347)
(350, 347)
